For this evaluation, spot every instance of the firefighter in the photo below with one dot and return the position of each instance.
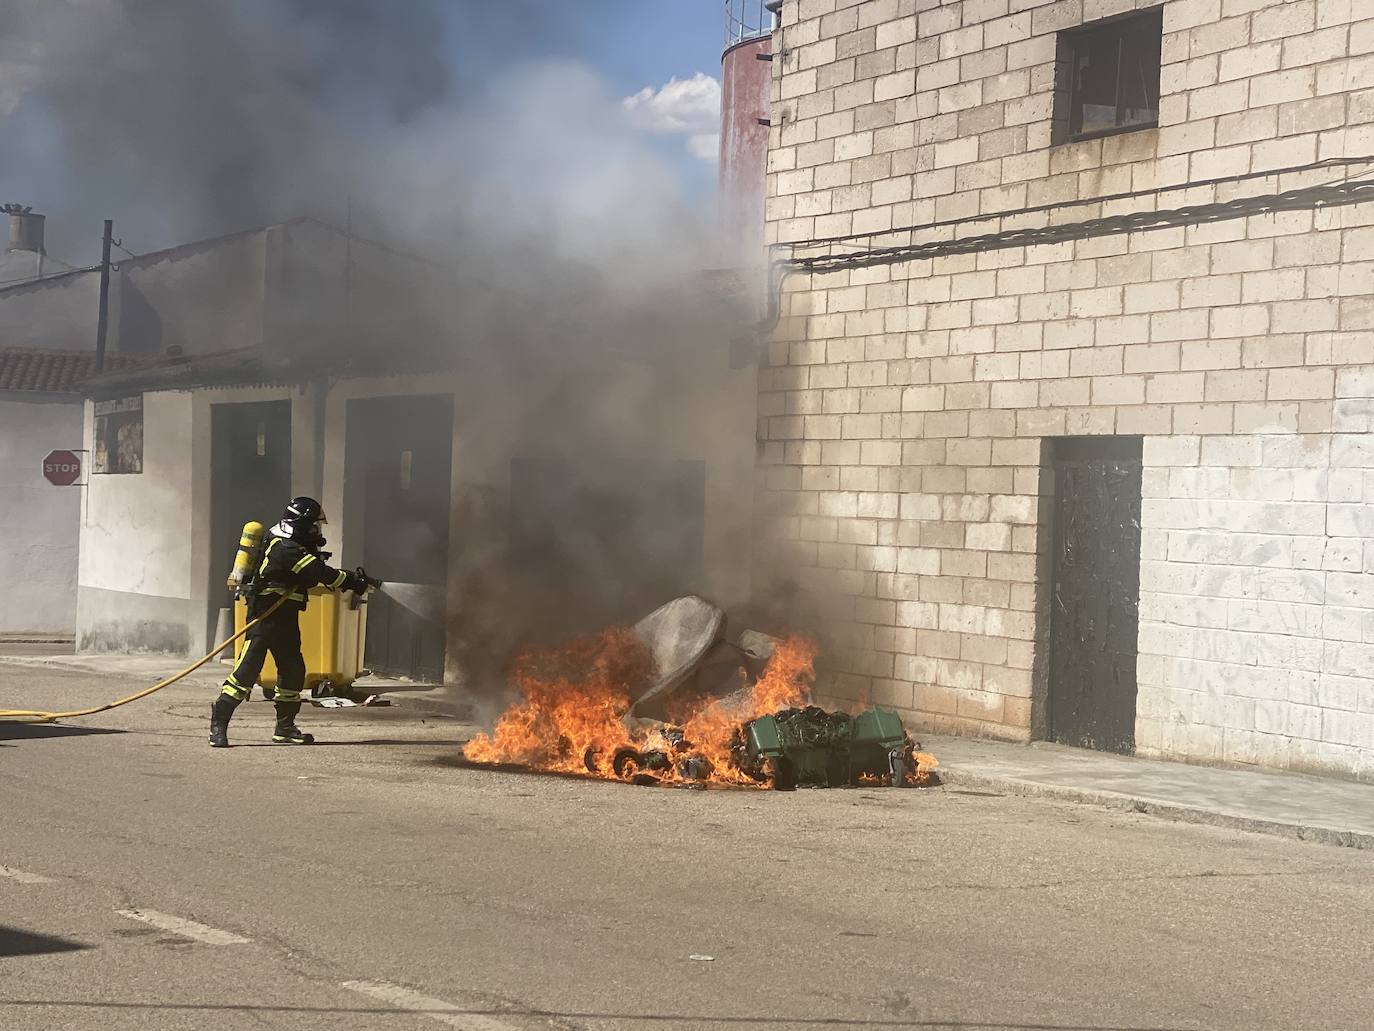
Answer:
(292, 563)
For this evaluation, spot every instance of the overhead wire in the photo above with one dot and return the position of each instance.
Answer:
(1107, 198)
(1338, 191)
(1312, 197)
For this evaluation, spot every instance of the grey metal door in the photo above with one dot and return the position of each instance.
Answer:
(397, 471)
(250, 479)
(1095, 592)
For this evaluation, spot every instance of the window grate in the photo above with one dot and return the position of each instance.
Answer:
(1110, 73)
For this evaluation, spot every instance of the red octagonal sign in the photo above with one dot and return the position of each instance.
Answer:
(62, 468)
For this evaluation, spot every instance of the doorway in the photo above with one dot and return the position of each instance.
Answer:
(250, 479)
(397, 503)
(1095, 592)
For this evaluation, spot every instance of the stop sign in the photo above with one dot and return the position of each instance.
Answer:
(61, 468)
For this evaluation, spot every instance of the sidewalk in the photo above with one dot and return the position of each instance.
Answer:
(1328, 811)
(108, 664)
(426, 699)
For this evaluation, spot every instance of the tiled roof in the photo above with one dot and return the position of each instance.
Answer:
(239, 367)
(52, 372)
(246, 366)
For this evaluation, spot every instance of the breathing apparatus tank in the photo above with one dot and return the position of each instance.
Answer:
(249, 556)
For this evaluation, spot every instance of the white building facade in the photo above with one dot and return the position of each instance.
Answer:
(1066, 416)
(39, 521)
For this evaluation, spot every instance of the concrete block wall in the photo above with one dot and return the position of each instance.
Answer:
(904, 485)
(904, 408)
(894, 113)
(1257, 595)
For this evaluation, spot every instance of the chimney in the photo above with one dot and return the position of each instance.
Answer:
(26, 229)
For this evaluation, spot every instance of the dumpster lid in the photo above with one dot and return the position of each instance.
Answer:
(678, 636)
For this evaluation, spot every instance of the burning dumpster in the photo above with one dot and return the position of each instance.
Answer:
(811, 747)
(580, 712)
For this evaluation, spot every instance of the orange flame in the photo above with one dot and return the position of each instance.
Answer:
(924, 774)
(921, 773)
(574, 699)
(572, 714)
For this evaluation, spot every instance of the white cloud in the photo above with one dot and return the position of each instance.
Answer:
(687, 107)
(18, 72)
(705, 145)
(679, 106)
(12, 87)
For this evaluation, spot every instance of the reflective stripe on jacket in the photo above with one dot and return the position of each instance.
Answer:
(289, 569)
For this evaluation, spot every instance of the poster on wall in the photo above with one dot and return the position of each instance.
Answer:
(118, 436)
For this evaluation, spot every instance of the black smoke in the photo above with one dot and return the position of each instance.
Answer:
(565, 280)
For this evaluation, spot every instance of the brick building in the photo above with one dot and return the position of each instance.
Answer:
(1066, 414)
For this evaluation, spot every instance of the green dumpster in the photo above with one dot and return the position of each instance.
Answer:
(813, 748)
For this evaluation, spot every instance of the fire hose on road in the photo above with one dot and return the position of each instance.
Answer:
(34, 716)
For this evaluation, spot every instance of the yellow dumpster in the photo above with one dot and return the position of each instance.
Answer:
(333, 636)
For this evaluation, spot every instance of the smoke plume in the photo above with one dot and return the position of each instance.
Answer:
(570, 289)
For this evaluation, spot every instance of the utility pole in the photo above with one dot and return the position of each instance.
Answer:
(103, 325)
(350, 332)
(348, 251)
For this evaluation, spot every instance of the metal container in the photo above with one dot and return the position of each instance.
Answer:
(814, 748)
(333, 637)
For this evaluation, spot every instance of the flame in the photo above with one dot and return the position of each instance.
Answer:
(575, 700)
(924, 774)
(920, 775)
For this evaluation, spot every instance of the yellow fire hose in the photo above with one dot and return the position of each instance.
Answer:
(31, 716)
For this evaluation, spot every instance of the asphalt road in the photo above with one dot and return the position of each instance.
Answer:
(150, 883)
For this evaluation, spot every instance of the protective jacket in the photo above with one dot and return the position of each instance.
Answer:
(289, 568)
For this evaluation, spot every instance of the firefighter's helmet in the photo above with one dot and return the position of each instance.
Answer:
(302, 518)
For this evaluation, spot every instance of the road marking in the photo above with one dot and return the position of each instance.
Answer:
(185, 928)
(22, 877)
(434, 1009)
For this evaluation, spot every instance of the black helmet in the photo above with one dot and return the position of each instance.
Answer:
(303, 511)
(303, 518)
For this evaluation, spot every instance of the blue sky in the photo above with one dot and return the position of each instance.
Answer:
(659, 40)
(184, 117)
(634, 44)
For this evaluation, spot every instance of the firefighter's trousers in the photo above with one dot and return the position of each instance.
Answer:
(280, 634)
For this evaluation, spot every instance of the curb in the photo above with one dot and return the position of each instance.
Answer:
(952, 776)
(66, 664)
(414, 702)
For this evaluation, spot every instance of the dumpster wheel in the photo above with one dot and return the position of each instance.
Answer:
(782, 774)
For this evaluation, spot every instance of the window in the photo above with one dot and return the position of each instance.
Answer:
(1108, 79)
(119, 436)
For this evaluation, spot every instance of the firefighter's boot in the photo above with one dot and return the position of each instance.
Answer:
(221, 711)
(286, 732)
